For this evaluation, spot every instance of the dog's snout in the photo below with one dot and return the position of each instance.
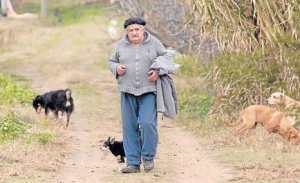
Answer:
(103, 148)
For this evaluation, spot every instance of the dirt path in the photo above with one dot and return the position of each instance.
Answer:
(80, 63)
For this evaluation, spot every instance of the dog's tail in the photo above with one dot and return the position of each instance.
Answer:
(237, 122)
(68, 93)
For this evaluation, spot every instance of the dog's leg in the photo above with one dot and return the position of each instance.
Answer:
(122, 160)
(46, 112)
(68, 119)
(247, 126)
(287, 135)
(118, 159)
(60, 114)
(56, 114)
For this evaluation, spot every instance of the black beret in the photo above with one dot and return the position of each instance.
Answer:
(134, 20)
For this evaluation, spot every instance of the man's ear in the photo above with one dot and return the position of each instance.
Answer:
(112, 141)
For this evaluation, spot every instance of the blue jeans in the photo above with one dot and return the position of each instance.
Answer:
(139, 111)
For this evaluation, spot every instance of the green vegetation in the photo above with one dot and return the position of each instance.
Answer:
(73, 14)
(12, 126)
(195, 99)
(260, 44)
(247, 25)
(194, 102)
(64, 12)
(11, 93)
(260, 55)
(15, 123)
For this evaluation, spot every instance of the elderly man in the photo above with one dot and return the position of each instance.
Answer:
(131, 64)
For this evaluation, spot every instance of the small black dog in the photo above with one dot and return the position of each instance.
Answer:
(116, 148)
(59, 100)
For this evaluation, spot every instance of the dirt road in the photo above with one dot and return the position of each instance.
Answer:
(78, 60)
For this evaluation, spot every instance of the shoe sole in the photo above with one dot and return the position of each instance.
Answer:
(137, 171)
(148, 170)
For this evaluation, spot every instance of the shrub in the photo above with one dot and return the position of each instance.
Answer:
(242, 79)
(12, 126)
(11, 92)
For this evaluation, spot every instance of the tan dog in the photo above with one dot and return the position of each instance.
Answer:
(274, 121)
(278, 99)
(286, 104)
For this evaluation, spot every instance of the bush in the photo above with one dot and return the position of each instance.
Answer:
(242, 79)
(194, 97)
(12, 126)
(11, 92)
(193, 103)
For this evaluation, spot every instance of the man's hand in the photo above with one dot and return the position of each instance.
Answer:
(121, 69)
(154, 75)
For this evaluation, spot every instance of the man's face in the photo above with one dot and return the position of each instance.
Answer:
(135, 33)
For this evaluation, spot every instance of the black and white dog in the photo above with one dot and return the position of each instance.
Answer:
(56, 101)
(116, 148)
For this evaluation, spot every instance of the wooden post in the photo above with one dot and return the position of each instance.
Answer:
(44, 8)
(4, 8)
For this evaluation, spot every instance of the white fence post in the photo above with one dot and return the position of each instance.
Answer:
(4, 8)
(44, 8)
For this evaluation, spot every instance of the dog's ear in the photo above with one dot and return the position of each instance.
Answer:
(112, 140)
(68, 93)
(282, 98)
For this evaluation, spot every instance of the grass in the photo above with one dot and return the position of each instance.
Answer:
(23, 136)
(257, 153)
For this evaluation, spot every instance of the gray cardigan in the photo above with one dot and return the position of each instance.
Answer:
(138, 61)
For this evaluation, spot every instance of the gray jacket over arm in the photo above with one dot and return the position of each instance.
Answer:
(166, 95)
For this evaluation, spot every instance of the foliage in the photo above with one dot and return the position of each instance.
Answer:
(246, 25)
(12, 126)
(194, 98)
(193, 103)
(260, 43)
(243, 79)
(45, 138)
(11, 92)
(190, 66)
(67, 15)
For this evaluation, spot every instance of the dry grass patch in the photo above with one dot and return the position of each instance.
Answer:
(40, 148)
(259, 156)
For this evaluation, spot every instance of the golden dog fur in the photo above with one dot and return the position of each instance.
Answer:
(286, 104)
(274, 122)
(281, 100)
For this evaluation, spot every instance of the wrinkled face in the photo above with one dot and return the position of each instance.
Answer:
(276, 98)
(294, 137)
(135, 33)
